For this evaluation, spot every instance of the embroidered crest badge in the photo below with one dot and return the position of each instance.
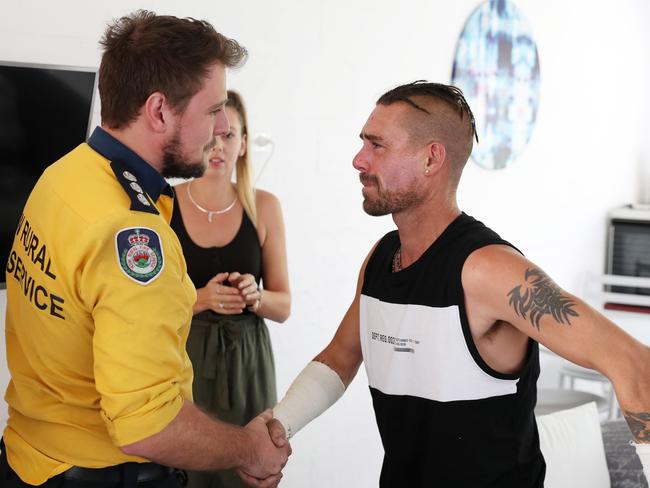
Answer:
(139, 253)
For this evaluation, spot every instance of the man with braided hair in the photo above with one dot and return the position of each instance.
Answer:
(447, 318)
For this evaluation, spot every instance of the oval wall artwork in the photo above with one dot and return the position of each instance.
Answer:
(497, 67)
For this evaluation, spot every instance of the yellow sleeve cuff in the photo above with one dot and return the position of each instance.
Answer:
(138, 425)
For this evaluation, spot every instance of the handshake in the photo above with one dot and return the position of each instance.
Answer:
(313, 391)
(269, 452)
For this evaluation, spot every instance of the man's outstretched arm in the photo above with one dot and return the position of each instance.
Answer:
(324, 380)
(505, 286)
(193, 440)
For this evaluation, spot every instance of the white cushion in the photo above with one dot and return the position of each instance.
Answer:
(572, 444)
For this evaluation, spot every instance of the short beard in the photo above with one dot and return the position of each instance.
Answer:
(387, 202)
(174, 164)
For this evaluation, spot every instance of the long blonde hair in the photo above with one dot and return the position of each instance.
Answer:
(244, 184)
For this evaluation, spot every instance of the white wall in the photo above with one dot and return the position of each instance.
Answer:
(314, 72)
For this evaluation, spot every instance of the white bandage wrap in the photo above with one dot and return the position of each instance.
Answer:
(314, 390)
(643, 451)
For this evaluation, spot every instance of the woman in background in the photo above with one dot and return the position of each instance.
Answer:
(233, 239)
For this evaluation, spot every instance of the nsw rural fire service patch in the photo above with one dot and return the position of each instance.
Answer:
(139, 253)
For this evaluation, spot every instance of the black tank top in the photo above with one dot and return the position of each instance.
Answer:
(242, 254)
(445, 417)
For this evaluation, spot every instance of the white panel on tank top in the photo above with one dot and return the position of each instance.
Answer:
(420, 351)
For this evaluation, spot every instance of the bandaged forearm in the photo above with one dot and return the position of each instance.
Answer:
(314, 390)
(643, 451)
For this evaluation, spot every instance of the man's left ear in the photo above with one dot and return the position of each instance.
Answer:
(435, 158)
(155, 111)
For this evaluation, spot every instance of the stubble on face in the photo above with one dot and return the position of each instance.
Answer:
(384, 201)
(175, 163)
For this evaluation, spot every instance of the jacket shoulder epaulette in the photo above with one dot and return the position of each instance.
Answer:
(140, 201)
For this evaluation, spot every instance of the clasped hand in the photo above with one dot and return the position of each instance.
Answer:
(272, 450)
(241, 291)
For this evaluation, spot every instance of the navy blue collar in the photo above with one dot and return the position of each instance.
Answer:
(149, 179)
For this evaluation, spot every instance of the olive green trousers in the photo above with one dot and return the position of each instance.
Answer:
(234, 376)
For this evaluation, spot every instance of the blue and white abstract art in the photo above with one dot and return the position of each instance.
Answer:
(497, 67)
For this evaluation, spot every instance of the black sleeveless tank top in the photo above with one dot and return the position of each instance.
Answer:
(242, 254)
(445, 417)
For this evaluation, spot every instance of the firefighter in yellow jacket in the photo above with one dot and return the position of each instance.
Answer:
(98, 298)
